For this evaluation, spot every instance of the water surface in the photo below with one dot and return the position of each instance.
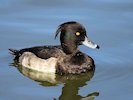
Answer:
(26, 23)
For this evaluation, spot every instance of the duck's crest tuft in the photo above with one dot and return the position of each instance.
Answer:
(60, 28)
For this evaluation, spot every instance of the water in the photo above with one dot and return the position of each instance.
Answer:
(26, 23)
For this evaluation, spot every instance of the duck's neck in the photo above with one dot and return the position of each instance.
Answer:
(69, 48)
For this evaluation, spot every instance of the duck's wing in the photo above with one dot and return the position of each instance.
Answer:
(43, 52)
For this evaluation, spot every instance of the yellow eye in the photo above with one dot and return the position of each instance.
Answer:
(77, 33)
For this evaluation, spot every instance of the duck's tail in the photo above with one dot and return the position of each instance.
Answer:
(14, 52)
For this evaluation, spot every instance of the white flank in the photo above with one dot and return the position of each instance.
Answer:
(31, 61)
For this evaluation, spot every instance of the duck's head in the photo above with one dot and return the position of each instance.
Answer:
(73, 34)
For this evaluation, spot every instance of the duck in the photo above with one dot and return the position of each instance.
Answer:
(65, 58)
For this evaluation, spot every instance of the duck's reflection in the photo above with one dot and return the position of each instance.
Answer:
(72, 83)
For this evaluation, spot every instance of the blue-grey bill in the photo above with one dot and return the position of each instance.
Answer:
(90, 44)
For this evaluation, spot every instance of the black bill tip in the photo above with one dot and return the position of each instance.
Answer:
(98, 47)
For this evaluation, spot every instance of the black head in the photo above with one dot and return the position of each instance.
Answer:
(73, 34)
